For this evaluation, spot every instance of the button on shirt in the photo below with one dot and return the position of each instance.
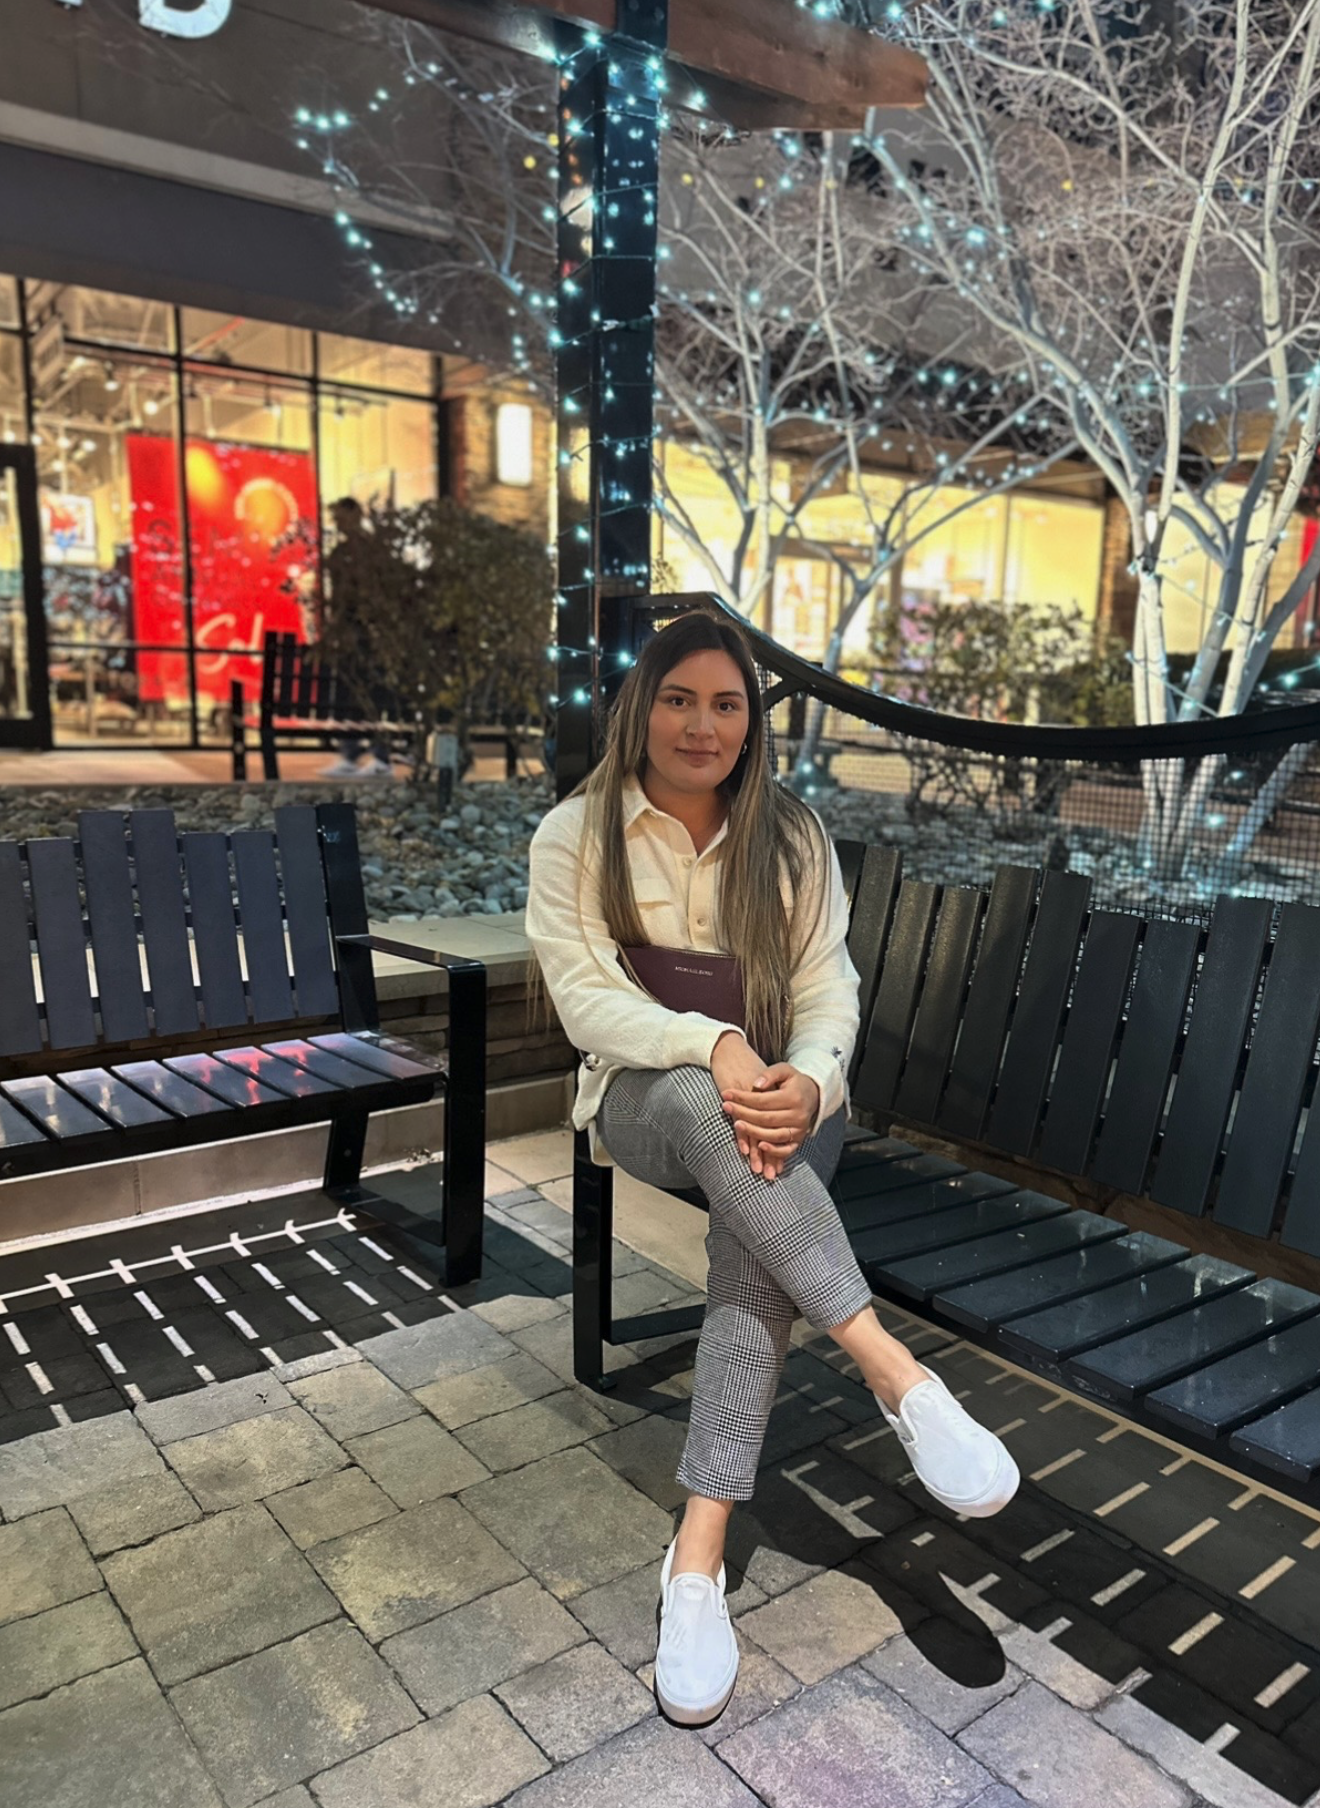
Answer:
(616, 1024)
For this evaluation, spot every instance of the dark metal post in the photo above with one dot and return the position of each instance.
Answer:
(22, 461)
(465, 1123)
(611, 93)
(593, 1266)
(237, 730)
(270, 764)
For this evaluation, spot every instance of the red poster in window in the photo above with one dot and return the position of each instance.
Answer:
(252, 511)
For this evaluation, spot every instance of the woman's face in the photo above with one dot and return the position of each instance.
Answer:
(698, 724)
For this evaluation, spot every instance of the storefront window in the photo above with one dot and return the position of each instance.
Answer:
(107, 319)
(805, 600)
(221, 338)
(376, 448)
(252, 511)
(184, 490)
(956, 548)
(106, 430)
(376, 366)
(1054, 553)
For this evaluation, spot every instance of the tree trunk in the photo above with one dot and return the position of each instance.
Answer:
(1259, 812)
(808, 770)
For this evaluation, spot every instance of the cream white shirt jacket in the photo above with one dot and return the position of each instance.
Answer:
(617, 1025)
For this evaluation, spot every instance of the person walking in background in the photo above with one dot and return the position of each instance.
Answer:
(349, 599)
(683, 839)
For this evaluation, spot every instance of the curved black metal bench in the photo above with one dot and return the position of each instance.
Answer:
(195, 987)
(1146, 1057)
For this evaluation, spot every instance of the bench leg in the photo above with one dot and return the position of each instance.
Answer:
(417, 1218)
(270, 764)
(465, 1125)
(593, 1243)
(343, 1151)
(237, 732)
(465, 1190)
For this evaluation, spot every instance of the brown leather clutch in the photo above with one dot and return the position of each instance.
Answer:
(685, 979)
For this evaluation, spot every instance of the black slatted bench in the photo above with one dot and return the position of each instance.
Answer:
(1132, 1056)
(305, 701)
(200, 986)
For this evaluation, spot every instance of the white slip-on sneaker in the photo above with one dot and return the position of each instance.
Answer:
(696, 1664)
(966, 1467)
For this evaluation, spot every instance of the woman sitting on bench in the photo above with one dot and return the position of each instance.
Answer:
(682, 839)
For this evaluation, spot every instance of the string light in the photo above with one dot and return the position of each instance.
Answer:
(935, 240)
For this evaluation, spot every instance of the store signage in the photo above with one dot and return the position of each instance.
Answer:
(180, 18)
(68, 529)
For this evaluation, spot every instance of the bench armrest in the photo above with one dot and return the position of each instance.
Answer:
(429, 957)
(465, 1089)
(466, 1058)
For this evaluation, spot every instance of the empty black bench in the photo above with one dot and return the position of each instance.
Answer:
(200, 986)
(1141, 1056)
(306, 701)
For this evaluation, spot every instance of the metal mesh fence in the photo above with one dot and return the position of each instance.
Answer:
(1163, 820)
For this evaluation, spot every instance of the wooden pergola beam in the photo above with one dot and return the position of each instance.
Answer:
(758, 62)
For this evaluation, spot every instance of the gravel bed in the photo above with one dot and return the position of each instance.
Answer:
(417, 861)
(472, 860)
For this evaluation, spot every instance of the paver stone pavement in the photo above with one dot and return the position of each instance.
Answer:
(839, 1737)
(576, 1701)
(472, 1649)
(416, 1460)
(469, 1758)
(109, 1739)
(43, 1562)
(537, 1429)
(353, 1399)
(891, 1654)
(330, 1506)
(211, 1592)
(410, 1568)
(291, 1711)
(495, 1387)
(55, 1467)
(252, 1458)
(60, 1645)
(824, 1624)
(422, 1353)
(571, 1520)
(653, 1765)
(1054, 1753)
(133, 1511)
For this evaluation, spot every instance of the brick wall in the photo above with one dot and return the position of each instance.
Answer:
(1117, 612)
(471, 423)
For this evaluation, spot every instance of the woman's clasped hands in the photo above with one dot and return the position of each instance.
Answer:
(772, 1107)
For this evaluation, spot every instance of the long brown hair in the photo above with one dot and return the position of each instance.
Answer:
(774, 843)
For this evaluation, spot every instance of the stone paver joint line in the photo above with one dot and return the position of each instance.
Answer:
(429, 1555)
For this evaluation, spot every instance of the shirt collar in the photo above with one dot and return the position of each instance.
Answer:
(637, 804)
(635, 800)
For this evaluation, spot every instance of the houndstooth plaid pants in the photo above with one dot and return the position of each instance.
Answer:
(776, 1248)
